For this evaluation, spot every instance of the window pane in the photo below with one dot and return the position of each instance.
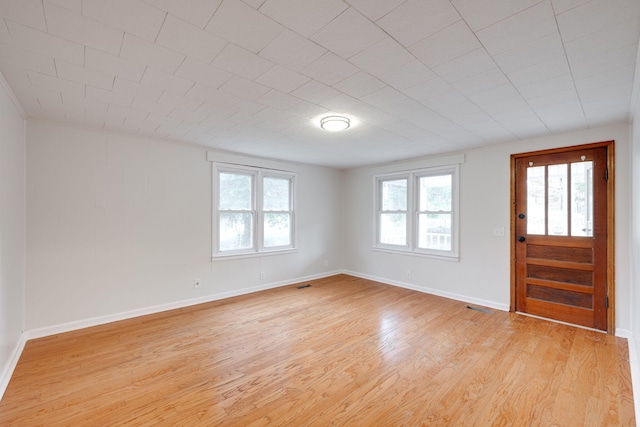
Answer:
(277, 229)
(558, 210)
(536, 196)
(393, 229)
(235, 191)
(435, 193)
(236, 231)
(434, 231)
(276, 194)
(582, 199)
(394, 195)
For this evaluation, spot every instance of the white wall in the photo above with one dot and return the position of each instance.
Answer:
(635, 240)
(117, 225)
(482, 274)
(12, 234)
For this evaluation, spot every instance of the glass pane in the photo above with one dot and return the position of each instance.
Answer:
(434, 231)
(394, 195)
(435, 193)
(582, 199)
(393, 229)
(277, 229)
(276, 194)
(536, 200)
(235, 191)
(558, 206)
(236, 231)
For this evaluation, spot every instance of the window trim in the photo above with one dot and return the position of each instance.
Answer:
(412, 177)
(258, 174)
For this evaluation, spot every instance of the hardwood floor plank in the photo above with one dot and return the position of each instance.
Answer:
(345, 351)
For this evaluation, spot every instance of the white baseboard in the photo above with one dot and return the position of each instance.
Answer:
(10, 366)
(101, 320)
(450, 295)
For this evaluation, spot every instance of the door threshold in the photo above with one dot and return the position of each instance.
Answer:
(561, 322)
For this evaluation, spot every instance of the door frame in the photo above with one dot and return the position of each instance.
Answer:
(609, 145)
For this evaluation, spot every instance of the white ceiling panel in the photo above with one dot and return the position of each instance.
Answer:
(235, 59)
(199, 72)
(292, 50)
(415, 76)
(415, 20)
(466, 66)
(84, 75)
(410, 74)
(375, 9)
(594, 16)
(78, 28)
(26, 12)
(132, 16)
(348, 34)
(100, 61)
(450, 43)
(244, 88)
(141, 92)
(24, 59)
(5, 37)
(525, 27)
(138, 50)
(196, 12)
(329, 69)
(45, 44)
(243, 25)
(481, 14)
(183, 37)
(282, 79)
(305, 17)
(359, 84)
(382, 57)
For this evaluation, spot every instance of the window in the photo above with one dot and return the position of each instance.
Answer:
(253, 210)
(416, 212)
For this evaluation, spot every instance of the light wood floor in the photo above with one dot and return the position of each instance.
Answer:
(344, 351)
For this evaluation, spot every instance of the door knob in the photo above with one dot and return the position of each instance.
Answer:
(521, 239)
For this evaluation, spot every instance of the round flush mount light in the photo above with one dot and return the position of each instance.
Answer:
(335, 123)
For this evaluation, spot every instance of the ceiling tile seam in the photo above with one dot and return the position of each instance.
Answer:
(500, 68)
(573, 80)
(164, 20)
(503, 19)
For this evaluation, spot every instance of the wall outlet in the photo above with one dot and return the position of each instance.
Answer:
(326, 263)
(407, 274)
(197, 283)
(262, 275)
(498, 231)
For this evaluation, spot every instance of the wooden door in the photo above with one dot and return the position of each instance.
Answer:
(560, 236)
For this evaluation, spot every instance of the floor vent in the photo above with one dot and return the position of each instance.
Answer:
(484, 310)
(304, 286)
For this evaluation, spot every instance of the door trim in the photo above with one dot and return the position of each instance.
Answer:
(609, 145)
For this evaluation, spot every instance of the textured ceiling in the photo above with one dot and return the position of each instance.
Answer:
(417, 77)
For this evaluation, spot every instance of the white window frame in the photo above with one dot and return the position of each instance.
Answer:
(413, 197)
(258, 174)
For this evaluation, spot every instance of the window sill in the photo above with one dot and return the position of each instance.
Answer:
(450, 258)
(225, 257)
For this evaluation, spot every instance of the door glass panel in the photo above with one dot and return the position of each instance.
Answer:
(582, 199)
(558, 202)
(536, 200)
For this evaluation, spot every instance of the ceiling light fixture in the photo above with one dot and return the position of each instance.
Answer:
(335, 123)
